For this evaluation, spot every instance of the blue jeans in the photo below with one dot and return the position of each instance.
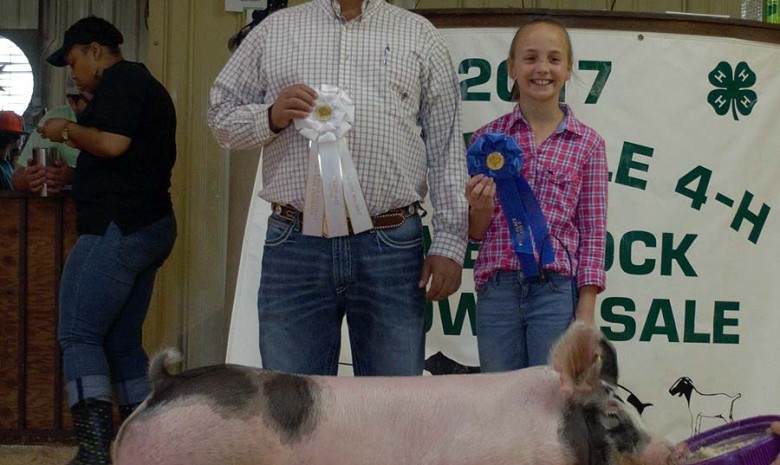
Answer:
(518, 321)
(308, 284)
(105, 291)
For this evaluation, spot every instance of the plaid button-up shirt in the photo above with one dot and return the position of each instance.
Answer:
(568, 175)
(395, 67)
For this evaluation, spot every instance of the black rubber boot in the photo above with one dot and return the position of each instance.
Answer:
(94, 426)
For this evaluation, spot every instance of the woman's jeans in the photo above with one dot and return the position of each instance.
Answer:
(105, 292)
(308, 284)
(519, 320)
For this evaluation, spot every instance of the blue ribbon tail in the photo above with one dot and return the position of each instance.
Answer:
(517, 223)
(536, 222)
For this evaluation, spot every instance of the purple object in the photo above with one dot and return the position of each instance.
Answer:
(757, 445)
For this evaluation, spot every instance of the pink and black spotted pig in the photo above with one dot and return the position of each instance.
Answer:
(564, 414)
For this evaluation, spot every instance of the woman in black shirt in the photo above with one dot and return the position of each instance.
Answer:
(125, 223)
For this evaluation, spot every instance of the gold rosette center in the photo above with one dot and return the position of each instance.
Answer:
(495, 161)
(323, 112)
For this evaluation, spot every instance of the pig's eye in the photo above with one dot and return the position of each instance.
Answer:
(612, 421)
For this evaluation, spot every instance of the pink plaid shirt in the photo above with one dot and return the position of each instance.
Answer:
(568, 174)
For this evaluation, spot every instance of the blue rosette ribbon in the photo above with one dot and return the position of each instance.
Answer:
(498, 156)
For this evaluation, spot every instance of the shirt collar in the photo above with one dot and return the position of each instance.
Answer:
(369, 7)
(569, 123)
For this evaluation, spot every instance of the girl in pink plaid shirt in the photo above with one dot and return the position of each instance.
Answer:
(564, 162)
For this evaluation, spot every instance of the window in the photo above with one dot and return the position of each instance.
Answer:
(16, 78)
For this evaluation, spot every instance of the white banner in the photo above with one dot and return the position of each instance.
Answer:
(691, 303)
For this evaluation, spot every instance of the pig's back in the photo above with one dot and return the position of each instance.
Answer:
(245, 416)
(455, 419)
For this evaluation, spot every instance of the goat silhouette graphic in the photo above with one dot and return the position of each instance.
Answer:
(703, 405)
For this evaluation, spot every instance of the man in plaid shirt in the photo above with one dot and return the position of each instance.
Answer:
(406, 137)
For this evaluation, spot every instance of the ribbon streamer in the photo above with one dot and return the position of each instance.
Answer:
(498, 156)
(332, 189)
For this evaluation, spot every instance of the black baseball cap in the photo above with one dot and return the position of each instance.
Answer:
(84, 32)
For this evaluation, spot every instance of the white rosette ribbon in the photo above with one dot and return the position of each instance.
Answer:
(332, 187)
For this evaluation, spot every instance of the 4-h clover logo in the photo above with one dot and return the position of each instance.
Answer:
(732, 92)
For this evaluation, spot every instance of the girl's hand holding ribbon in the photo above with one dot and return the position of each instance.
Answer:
(481, 193)
(497, 156)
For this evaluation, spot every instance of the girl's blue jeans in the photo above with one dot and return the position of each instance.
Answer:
(309, 284)
(519, 320)
(105, 291)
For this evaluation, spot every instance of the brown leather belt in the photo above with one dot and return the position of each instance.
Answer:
(388, 220)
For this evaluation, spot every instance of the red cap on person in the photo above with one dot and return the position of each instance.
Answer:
(10, 122)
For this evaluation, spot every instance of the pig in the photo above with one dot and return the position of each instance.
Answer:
(775, 428)
(565, 413)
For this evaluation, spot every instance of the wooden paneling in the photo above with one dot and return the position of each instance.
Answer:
(436, 4)
(647, 6)
(10, 334)
(730, 8)
(35, 237)
(621, 21)
(42, 280)
(570, 4)
(188, 48)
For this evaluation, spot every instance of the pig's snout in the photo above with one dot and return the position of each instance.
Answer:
(662, 452)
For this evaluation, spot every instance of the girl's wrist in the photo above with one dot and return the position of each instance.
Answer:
(483, 212)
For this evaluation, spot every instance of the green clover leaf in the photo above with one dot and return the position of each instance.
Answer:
(732, 89)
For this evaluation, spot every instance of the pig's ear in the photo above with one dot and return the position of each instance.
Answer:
(609, 366)
(577, 357)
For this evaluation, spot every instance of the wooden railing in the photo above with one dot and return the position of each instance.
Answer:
(36, 234)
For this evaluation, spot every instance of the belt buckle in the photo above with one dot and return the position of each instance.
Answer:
(284, 212)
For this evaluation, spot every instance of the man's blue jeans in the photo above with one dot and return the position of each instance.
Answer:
(308, 284)
(518, 321)
(105, 291)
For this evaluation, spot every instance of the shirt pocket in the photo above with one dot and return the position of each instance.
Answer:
(557, 189)
(402, 71)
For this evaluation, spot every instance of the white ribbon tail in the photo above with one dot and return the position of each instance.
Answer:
(314, 208)
(332, 188)
(353, 195)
